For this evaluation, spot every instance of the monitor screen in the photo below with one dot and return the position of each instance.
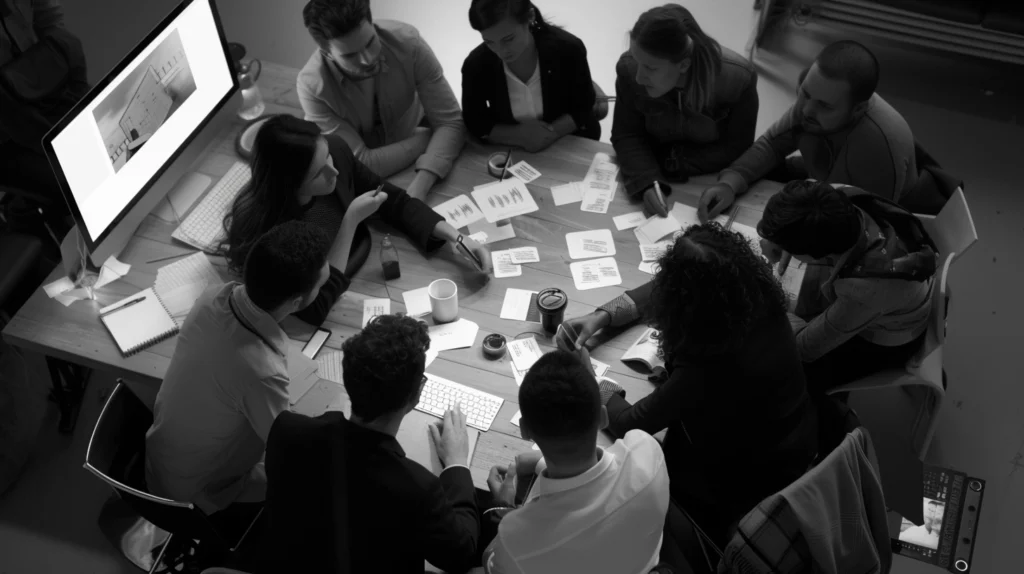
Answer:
(133, 124)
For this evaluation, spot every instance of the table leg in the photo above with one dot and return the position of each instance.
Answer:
(69, 382)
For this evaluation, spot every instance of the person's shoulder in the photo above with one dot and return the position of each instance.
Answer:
(626, 66)
(883, 121)
(638, 439)
(311, 76)
(563, 39)
(735, 75)
(400, 32)
(478, 58)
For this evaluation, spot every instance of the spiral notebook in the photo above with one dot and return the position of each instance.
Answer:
(138, 321)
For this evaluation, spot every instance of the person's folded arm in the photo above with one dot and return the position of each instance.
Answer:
(633, 152)
(848, 315)
(47, 17)
(768, 151)
(670, 402)
(316, 312)
(581, 89)
(452, 525)
(479, 117)
(736, 136)
(442, 110)
(263, 401)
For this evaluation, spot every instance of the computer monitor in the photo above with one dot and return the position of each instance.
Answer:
(126, 143)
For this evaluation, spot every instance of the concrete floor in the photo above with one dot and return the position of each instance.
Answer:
(48, 519)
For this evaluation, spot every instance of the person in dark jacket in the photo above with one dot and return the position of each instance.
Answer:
(297, 173)
(684, 105)
(740, 422)
(528, 83)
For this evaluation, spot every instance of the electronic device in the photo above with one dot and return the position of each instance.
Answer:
(316, 342)
(119, 151)
(203, 227)
(440, 394)
(570, 336)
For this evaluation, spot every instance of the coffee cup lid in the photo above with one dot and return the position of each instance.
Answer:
(551, 298)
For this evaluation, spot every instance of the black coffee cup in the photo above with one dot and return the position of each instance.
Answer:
(551, 303)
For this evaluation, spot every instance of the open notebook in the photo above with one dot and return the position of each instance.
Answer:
(138, 321)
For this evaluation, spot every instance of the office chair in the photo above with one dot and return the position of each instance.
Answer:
(116, 455)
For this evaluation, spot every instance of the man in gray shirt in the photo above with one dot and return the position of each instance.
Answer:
(228, 378)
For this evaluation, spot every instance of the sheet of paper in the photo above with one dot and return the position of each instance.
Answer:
(594, 243)
(179, 300)
(417, 302)
(653, 251)
(520, 305)
(505, 200)
(687, 216)
(595, 273)
(492, 233)
(522, 255)
(503, 267)
(600, 369)
(752, 237)
(602, 173)
(431, 355)
(517, 374)
(629, 221)
(567, 193)
(515, 418)
(524, 352)
(524, 171)
(480, 237)
(596, 200)
(459, 211)
(792, 278)
(62, 285)
(328, 366)
(111, 271)
(649, 267)
(374, 307)
(655, 228)
(195, 268)
(455, 335)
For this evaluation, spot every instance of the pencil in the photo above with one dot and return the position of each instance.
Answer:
(171, 257)
(504, 169)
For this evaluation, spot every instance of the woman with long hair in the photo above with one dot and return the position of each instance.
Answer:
(528, 83)
(298, 173)
(684, 105)
(740, 422)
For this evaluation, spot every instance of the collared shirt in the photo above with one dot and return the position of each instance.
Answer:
(921, 536)
(608, 519)
(526, 99)
(227, 382)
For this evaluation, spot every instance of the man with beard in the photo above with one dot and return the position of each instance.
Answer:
(845, 132)
(379, 86)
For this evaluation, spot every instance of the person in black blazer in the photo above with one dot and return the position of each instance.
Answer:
(523, 57)
(341, 494)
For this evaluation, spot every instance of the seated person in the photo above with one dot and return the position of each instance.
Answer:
(375, 86)
(741, 425)
(297, 173)
(879, 263)
(590, 509)
(228, 378)
(529, 83)
(685, 105)
(844, 131)
(343, 482)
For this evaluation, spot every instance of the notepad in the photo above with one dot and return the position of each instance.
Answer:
(138, 321)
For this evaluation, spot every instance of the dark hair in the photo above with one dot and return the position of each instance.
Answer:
(383, 365)
(559, 399)
(281, 155)
(486, 13)
(330, 19)
(285, 262)
(852, 63)
(810, 218)
(710, 292)
(671, 33)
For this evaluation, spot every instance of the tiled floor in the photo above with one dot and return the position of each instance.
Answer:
(48, 520)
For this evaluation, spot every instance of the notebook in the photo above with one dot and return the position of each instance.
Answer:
(138, 321)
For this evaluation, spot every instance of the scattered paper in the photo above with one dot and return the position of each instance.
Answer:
(328, 366)
(655, 228)
(417, 302)
(522, 255)
(505, 200)
(503, 266)
(520, 305)
(654, 251)
(516, 417)
(687, 216)
(492, 233)
(62, 285)
(524, 171)
(374, 307)
(431, 355)
(480, 237)
(649, 267)
(195, 268)
(567, 193)
(111, 271)
(524, 352)
(518, 375)
(594, 243)
(600, 369)
(595, 273)
(459, 211)
(629, 221)
(601, 174)
(456, 335)
(596, 200)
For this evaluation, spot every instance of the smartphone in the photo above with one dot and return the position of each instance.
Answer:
(316, 342)
(570, 335)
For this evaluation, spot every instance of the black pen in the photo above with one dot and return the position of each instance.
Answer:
(125, 306)
(472, 256)
(504, 169)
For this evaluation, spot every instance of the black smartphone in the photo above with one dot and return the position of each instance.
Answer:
(316, 342)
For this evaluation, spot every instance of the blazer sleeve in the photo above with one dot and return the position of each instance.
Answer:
(442, 111)
(640, 168)
(735, 136)
(479, 117)
(673, 400)
(581, 85)
(452, 524)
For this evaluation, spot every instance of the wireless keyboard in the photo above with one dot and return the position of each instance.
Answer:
(440, 394)
(204, 226)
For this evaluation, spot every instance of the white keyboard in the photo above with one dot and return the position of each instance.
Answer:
(479, 407)
(204, 226)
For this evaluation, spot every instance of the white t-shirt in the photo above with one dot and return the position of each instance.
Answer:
(527, 99)
(919, 535)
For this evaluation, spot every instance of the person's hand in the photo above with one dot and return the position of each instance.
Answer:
(502, 483)
(654, 202)
(451, 438)
(481, 251)
(714, 201)
(365, 205)
(536, 135)
(585, 328)
(585, 359)
(772, 252)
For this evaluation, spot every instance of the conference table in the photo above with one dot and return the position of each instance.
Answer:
(75, 335)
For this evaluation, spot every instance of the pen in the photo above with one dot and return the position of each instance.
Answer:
(171, 257)
(472, 256)
(504, 169)
(48, 229)
(379, 189)
(125, 306)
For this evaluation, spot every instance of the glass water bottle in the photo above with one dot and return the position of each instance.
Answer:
(389, 259)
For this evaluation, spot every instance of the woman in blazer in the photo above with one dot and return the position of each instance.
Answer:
(528, 84)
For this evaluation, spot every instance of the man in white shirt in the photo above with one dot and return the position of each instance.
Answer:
(590, 509)
(927, 534)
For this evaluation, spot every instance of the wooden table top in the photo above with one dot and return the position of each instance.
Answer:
(75, 333)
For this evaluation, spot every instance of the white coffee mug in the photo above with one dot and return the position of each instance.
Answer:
(444, 300)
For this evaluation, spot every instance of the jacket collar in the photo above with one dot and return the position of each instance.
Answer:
(258, 321)
(372, 437)
(545, 486)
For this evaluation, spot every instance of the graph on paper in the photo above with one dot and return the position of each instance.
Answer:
(504, 200)
(459, 211)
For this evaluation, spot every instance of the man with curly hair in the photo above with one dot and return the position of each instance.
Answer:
(343, 497)
(741, 425)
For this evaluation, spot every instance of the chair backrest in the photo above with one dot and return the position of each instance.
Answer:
(952, 229)
(935, 337)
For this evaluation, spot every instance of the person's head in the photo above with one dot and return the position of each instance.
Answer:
(810, 220)
(505, 25)
(710, 292)
(561, 408)
(835, 90)
(344, 31)
(672, 51)
(290, 162)
(286, 267)
(383, 366)
(933, 511)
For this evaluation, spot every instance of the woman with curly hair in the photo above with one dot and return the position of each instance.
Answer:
(740, 423)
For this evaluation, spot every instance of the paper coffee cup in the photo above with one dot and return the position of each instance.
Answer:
(444, 300)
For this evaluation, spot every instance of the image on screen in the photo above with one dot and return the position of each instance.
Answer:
(925, 535)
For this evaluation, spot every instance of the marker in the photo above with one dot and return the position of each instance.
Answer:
(125, 306)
